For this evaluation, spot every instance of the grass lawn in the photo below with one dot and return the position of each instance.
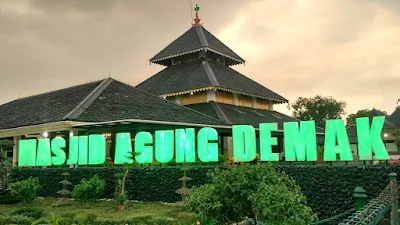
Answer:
(101, 208)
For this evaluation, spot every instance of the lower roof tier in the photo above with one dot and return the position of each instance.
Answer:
(238, 115)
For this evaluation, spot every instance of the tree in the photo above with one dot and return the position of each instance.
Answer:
(351, 118)
(320, 109)
(253, 191)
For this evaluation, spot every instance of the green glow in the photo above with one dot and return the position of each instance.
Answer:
(143, 141)
(335, 132)
(123, 149)
(267, 141)
(27, 152)
(185, 145)
(73, 150)
(207, 152)
(164, 145)
(57, 145)
(83, 150)
(300, 143)
(371, 137)
(97, 149)
(244, 143)
(43, 157)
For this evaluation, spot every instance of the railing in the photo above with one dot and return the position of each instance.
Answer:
(335, 219)
(375, 210)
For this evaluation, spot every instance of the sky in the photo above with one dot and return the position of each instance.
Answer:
(347, 49)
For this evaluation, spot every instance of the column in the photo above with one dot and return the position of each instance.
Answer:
(211, 96)
(254, 102)
(178, 99)
(15, 150)
(235, 99)
(270, 105)
(72, 133)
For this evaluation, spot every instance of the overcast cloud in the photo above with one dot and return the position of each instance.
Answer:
(348, 49)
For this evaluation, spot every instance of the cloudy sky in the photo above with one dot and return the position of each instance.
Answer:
(348, 49)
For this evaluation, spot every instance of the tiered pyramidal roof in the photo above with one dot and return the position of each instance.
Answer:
(197, 61)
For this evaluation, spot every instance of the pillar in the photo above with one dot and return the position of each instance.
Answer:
(394, 214)
(178, 99)
(211, 96)
(15, 150)
(235, 99)
(254, 102)
(270, 105)
(72, 133)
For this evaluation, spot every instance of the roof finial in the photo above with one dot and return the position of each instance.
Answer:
(196, 19)
(398, 103)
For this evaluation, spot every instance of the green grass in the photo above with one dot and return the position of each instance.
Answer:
(103, 209)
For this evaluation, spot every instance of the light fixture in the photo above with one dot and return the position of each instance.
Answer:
(71, 133)
(45, 134)
(191, 93)
(398, 102)
(385, 135)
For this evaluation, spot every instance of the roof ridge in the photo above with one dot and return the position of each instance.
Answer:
(220, 113)
(201, 36)
(210, 73)
(169, 102)
(88, 100)
(49, 92)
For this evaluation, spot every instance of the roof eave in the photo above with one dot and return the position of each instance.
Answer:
(157, 60)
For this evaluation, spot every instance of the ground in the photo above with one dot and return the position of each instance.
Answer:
(102, 208)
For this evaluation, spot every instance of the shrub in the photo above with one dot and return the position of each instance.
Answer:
(9, 198)
(25, 189)
(142, 220)
(19, 219)
(89, 189)
(33, 212)
(256, 191)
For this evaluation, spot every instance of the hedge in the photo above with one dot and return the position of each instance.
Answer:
(328, 188)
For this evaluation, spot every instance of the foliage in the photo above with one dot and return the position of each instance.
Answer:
(32, 212)
(320, 184)
(320, 109)
(19, 219)
(25, 189)
(9, 198)
(54, 220)
(142, 183)
(253, 191)
(89, 189)
(5, 143)
(143, 220)
(351, 118)
(120, 194)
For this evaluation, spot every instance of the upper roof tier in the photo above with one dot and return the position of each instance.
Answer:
(196, 39)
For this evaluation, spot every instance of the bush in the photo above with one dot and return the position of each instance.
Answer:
(19, 219)
(143, 220)
(32, 212)
(320, 183)
(89, 190)
(25, 189)
(246, 191)
(9, 198)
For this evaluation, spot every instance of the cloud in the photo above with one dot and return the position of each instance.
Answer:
(348, 49)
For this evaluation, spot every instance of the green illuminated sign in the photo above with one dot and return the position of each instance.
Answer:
(182, 144)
